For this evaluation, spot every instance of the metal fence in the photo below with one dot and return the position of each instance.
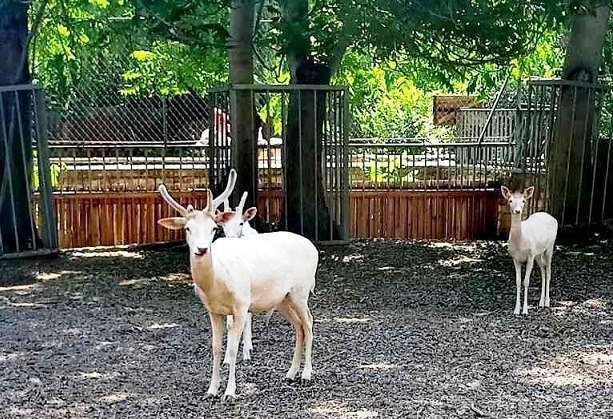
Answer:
(564, 151)
(27, 221)
(303, 130)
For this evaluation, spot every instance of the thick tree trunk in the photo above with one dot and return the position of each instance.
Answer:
(17, 230)
(244, 130)
(305, 201)
(571, 169)
(307, 209)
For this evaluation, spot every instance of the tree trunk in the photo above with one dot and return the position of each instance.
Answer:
(307, 209)
(244, 130)
(17, 229)
(571, 168)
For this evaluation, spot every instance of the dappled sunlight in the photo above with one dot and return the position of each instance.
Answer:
(114, 397)
(353, 319)
(353, 258)
(589, 306)
(50, 276)
(458, 261)
(22, 305)
(137, 282)
(156, 326)
(22, 289)
(98, 376)
(15, 356)
(469, 247)
(340, 410)
(581, 368)
(379, 366)
(108, 254)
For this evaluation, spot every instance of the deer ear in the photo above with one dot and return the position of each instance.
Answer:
(505, 192)
(173, 223)
(529, 192)
(250, 214)
(223, 217)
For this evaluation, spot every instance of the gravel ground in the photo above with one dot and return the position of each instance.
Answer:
(402, 329)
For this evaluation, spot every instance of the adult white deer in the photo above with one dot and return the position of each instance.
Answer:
(530, 240)
(250, 274)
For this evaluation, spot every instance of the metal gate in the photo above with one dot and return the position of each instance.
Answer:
(27, 219)
(296, 152)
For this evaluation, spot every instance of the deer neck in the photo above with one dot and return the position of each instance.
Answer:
(203, 273)
(515, 234)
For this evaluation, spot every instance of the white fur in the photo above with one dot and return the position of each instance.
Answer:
(259, 273)
(529, 241)
(236, 224)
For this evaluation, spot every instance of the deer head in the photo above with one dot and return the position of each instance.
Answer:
(233, 222)
(199, 225)
(517, 200)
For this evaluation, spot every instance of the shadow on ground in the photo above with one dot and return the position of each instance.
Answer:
(402, 329)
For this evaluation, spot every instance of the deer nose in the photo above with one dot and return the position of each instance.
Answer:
(201, 251)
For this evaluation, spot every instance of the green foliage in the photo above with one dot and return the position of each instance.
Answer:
(95, 50)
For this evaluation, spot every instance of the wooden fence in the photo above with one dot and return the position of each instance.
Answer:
(119, 218)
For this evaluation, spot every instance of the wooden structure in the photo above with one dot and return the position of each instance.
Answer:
(445, 107)
(121, 218)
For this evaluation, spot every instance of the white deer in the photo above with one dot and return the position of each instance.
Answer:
(237, 276)
(236, 224)
(530, 240)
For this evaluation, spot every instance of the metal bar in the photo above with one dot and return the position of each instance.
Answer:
(46, 191)
(493, 109)
(585, 139)
(316, 163)
(570, 143)
(300, 161)
(8, 155)
(26, 173)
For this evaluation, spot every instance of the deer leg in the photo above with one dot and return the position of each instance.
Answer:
(217, 329)
(518, 287)
(529, 265)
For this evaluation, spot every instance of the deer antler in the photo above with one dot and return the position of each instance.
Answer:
(164, 192)
(241, 204)
(225, 194)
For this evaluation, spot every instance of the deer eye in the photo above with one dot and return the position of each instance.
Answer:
(510, 201)
(187, 229)
(241, 224)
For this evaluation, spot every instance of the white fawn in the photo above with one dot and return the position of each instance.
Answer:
(530, 240)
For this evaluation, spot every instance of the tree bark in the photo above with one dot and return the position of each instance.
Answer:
(571, 166)
(242, 112)
(17, 229)
(308, 212)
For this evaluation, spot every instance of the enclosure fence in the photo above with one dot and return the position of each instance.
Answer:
(27, 226)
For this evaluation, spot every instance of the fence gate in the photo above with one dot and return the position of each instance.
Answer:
(566, 149)
(296, 153)
(27, 219)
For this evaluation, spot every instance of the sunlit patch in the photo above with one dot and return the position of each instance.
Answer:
(386, 268)
(178, 278)
(353, 319)
(72, 331)
(21, 289)
(155, 326)
(594, 303)
(455, 246)
(26, 305)
(458, 261)
(114, 398)
(576, 369)
(137, 281)
(110, 254)
(94, 375)
(383, 366)
(353, 258)
(104, 345)
(50, 276)
(336, 407)
(11, 357)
